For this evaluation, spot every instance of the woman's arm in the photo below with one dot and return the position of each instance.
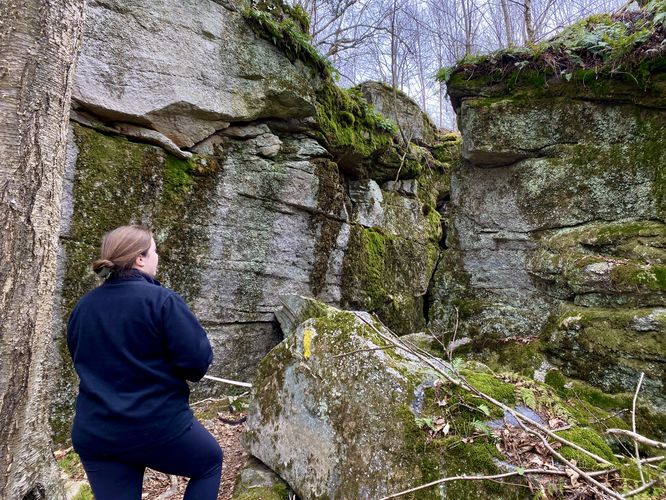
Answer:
(186, 341)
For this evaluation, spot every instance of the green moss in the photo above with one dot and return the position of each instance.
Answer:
(279, 491)
(448, 148)
(556, 380)
(491, 386)
(591, 441)
(381, 270)
(84, 493)
(582, 59)
(351, 128)
(505, 354)
(287, 28)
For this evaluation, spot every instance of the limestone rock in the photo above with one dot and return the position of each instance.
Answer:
(256, 481)
(334, 427)
(402, 110)
(183, 68)
(152, 137)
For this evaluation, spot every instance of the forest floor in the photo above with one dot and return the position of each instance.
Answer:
(221, 420)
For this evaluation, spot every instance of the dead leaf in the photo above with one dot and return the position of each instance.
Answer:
(573, 475)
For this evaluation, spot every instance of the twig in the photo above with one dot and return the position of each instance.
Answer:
(615, 469)
(640, 490)
(465, 385)
(623, 8)
(613, 415)
(364, 350)
(633, 428)
(638, 437)
(476, 478)
(227, 381)
(207, 400)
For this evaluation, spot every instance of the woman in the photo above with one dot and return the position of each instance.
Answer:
(134, 345)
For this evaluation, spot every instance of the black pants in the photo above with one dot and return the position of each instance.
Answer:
(194, 454)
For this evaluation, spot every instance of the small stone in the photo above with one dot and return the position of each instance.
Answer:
(268, 145)
(653, 322)
(247, 131)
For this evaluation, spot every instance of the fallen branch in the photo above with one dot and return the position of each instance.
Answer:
(477, 478)
(633, 428)
(638, 437)
(227, 381)
(364, 350)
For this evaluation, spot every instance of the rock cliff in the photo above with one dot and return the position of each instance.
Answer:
(556, 241)
(259, 176)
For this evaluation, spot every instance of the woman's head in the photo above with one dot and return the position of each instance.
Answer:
(127, 247)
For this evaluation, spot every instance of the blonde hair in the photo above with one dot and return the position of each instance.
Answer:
(120, 248)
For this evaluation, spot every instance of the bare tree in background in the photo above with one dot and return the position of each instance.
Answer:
(39, 41)
(404, 42)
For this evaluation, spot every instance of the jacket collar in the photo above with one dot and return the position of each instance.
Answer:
(131, 275)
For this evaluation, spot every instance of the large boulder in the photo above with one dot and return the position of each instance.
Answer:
(411, 120)
(332, 406)
(184, 68)
(341, 409)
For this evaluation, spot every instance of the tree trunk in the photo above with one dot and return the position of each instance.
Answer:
(39, 41)
(508, 26)
(529, 23)
(467, 22)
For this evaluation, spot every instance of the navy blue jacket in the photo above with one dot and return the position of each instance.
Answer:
(134, 344)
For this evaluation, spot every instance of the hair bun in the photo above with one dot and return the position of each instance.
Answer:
(103, 267)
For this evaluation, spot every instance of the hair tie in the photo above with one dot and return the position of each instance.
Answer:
(104, 272)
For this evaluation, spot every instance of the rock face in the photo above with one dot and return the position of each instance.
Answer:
(255, 210)
(183, 68)
(412, 121)
(557, 230)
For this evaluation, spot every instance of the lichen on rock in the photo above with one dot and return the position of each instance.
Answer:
(340, 410)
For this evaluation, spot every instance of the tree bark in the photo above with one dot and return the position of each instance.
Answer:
(508, 26)
(39, 42)
(530, 32)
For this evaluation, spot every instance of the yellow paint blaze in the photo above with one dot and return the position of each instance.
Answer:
(307, 342)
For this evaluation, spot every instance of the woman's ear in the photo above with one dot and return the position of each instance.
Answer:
(138, 262)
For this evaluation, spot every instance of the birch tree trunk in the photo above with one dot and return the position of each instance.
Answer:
(39, 42)
(529, 23)
(508, 25)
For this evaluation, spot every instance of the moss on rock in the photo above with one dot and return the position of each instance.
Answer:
(601, 56)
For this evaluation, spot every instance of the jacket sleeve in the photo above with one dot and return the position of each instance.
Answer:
(186, 341)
